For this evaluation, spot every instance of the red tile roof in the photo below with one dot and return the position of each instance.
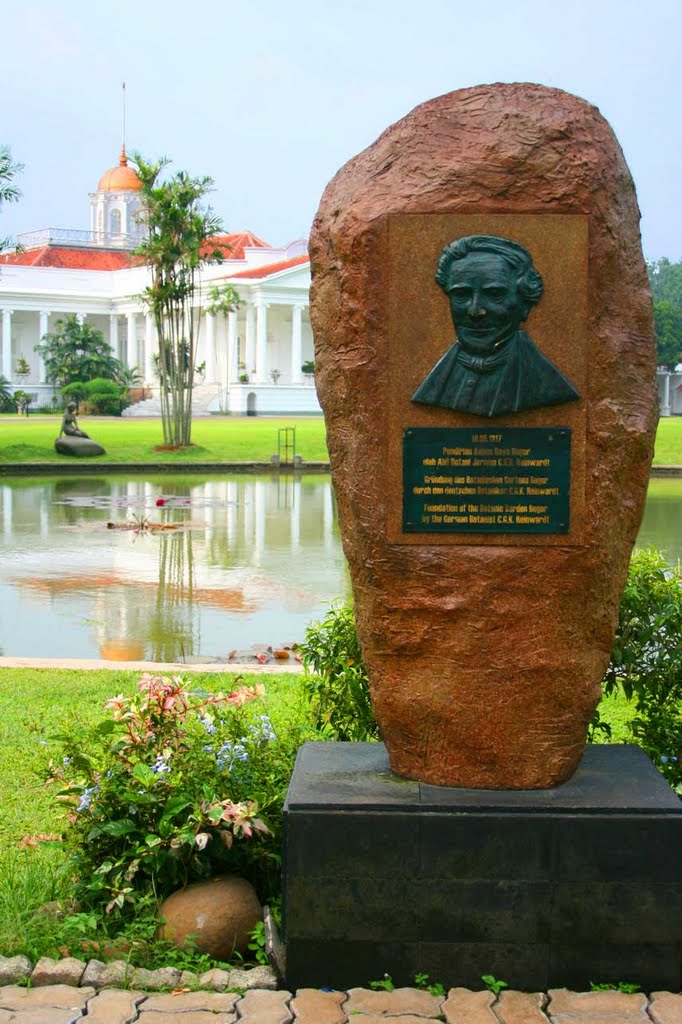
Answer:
(233, 245)
(70, 257)
(272, 268)
(74, 258)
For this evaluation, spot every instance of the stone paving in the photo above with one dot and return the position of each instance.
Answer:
(66, 1004)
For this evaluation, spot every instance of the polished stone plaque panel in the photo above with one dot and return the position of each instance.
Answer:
(498, 480)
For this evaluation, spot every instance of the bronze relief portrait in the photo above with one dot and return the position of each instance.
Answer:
(493, 367)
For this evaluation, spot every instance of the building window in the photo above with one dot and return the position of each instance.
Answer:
(115, 222)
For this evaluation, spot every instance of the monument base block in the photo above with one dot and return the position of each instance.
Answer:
(542, 888)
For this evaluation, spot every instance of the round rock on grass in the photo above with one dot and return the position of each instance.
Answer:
(218, 915)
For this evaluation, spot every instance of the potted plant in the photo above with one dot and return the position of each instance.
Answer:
(275, 374)
(23, 370)
(23, 400)
(308, 368)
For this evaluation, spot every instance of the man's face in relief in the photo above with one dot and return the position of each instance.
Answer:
(484, 302)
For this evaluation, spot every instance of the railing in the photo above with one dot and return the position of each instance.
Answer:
(73, 236)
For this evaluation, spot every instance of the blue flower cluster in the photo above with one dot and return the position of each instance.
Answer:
(229, 753)
(208, 723)
(262, 730)
(161, 766)
(86, 799)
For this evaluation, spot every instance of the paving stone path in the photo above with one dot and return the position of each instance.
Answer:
(66, 1004)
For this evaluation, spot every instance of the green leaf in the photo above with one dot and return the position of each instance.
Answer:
(105, 728)
(143, 773)
(122, 827)
(173, 807)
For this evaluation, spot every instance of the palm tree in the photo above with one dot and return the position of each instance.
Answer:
(9, 193)
(5, 393)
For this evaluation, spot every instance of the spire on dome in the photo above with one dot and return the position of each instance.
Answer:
(121, 178)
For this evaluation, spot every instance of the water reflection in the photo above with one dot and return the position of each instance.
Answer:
(253, 560)
(662, 522)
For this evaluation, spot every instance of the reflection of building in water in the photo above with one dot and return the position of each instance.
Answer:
(91, 274)
(231, 565)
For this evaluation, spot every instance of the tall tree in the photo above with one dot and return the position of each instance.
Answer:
(76, 352)
(9, 193)
(180, 238)
(665, 278)
(666, 285)
(668, 320)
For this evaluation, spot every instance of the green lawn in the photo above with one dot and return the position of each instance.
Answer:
(36, 704)
(669, 442)
(217, 439)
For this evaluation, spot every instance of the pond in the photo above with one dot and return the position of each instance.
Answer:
(253, 561)
(242, 560)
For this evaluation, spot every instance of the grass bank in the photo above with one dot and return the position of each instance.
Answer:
(217, 439)
(36, 706)
(669, 442)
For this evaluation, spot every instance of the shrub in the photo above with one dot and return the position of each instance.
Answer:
(170, 788)
(646, 663)
(76, 392)
(102, 386)
(104, 397)
(336, 682)
(103, 405)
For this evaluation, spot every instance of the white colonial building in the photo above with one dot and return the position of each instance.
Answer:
(253, 357)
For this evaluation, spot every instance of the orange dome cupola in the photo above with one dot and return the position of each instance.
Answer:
(120, 178)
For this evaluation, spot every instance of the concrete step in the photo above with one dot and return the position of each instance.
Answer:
(202, 396)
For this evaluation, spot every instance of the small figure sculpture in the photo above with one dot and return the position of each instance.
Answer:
(493, 367)
(75, 441)
(70, 423)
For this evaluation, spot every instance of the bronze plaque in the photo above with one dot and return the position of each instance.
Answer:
(498, 480)
(551, 346)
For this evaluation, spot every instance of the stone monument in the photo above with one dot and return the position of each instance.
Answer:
(490, 479)
(485, 361)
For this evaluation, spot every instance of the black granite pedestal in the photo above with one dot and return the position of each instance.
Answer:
(542, 888)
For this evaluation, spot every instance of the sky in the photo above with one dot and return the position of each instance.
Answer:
(270, 97)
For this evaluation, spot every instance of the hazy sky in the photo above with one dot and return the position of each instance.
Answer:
(271, 97)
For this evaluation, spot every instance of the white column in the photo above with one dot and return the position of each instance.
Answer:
(248, 520)
(42, 331)
(131, 346)
(261, 340)
(149, 346)
(232, 371)
(665, 411)
(327, 516)
(259, 502)
(207, 492)
(250, 353)
(231, 498)
(7, 523)
(44, 520)
(113, 334)
(7, 343)
(296, 345)
(296, 517)
(210, 348)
